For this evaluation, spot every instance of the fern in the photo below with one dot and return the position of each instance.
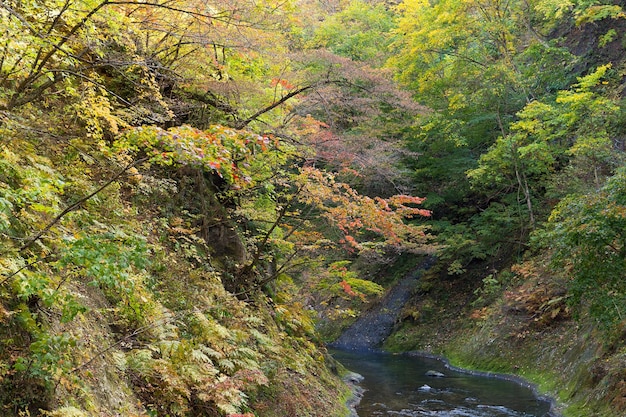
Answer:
(199, 356)
(211, 353)
(226, 364)
(140, 361)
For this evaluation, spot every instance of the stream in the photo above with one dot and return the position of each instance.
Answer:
(397, 385)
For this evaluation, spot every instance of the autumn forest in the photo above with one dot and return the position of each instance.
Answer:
(197, 196)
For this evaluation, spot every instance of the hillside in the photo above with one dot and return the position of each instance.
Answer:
(195, 196)
(146, 238)
(522, 164)
(116, 304)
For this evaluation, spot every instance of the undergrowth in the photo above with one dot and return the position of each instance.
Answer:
(118, 308)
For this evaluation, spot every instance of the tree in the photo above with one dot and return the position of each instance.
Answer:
(455, 55)
(585, 234)
(140, 57)
(354, 124)
(361, 32)
(571, 134)
(462, 60)
(475, 64)
(360, 218)
(275, 196)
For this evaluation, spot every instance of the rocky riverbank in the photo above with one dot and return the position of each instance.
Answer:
(373, 326)
(522, 330)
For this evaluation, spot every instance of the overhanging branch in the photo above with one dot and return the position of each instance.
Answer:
(243, 123)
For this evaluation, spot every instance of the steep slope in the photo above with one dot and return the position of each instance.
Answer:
(529, 205)
(117, 306)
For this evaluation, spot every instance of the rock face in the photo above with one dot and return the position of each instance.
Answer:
(375, 325)
(353, 380)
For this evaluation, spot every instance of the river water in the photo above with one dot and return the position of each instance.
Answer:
(397, 385)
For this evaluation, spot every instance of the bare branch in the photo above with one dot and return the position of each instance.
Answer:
(243, 123)
(77, 204)
(28, 265)
(120, 341)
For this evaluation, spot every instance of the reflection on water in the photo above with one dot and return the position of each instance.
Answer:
(397, 385)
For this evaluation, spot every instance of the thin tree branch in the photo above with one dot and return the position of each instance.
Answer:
(284, 267)
(261, 247)
(119, 342)
(38, 66)
(455, 54)
(100, 85)
(243, 123)
(28, 265)
(77, 204)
